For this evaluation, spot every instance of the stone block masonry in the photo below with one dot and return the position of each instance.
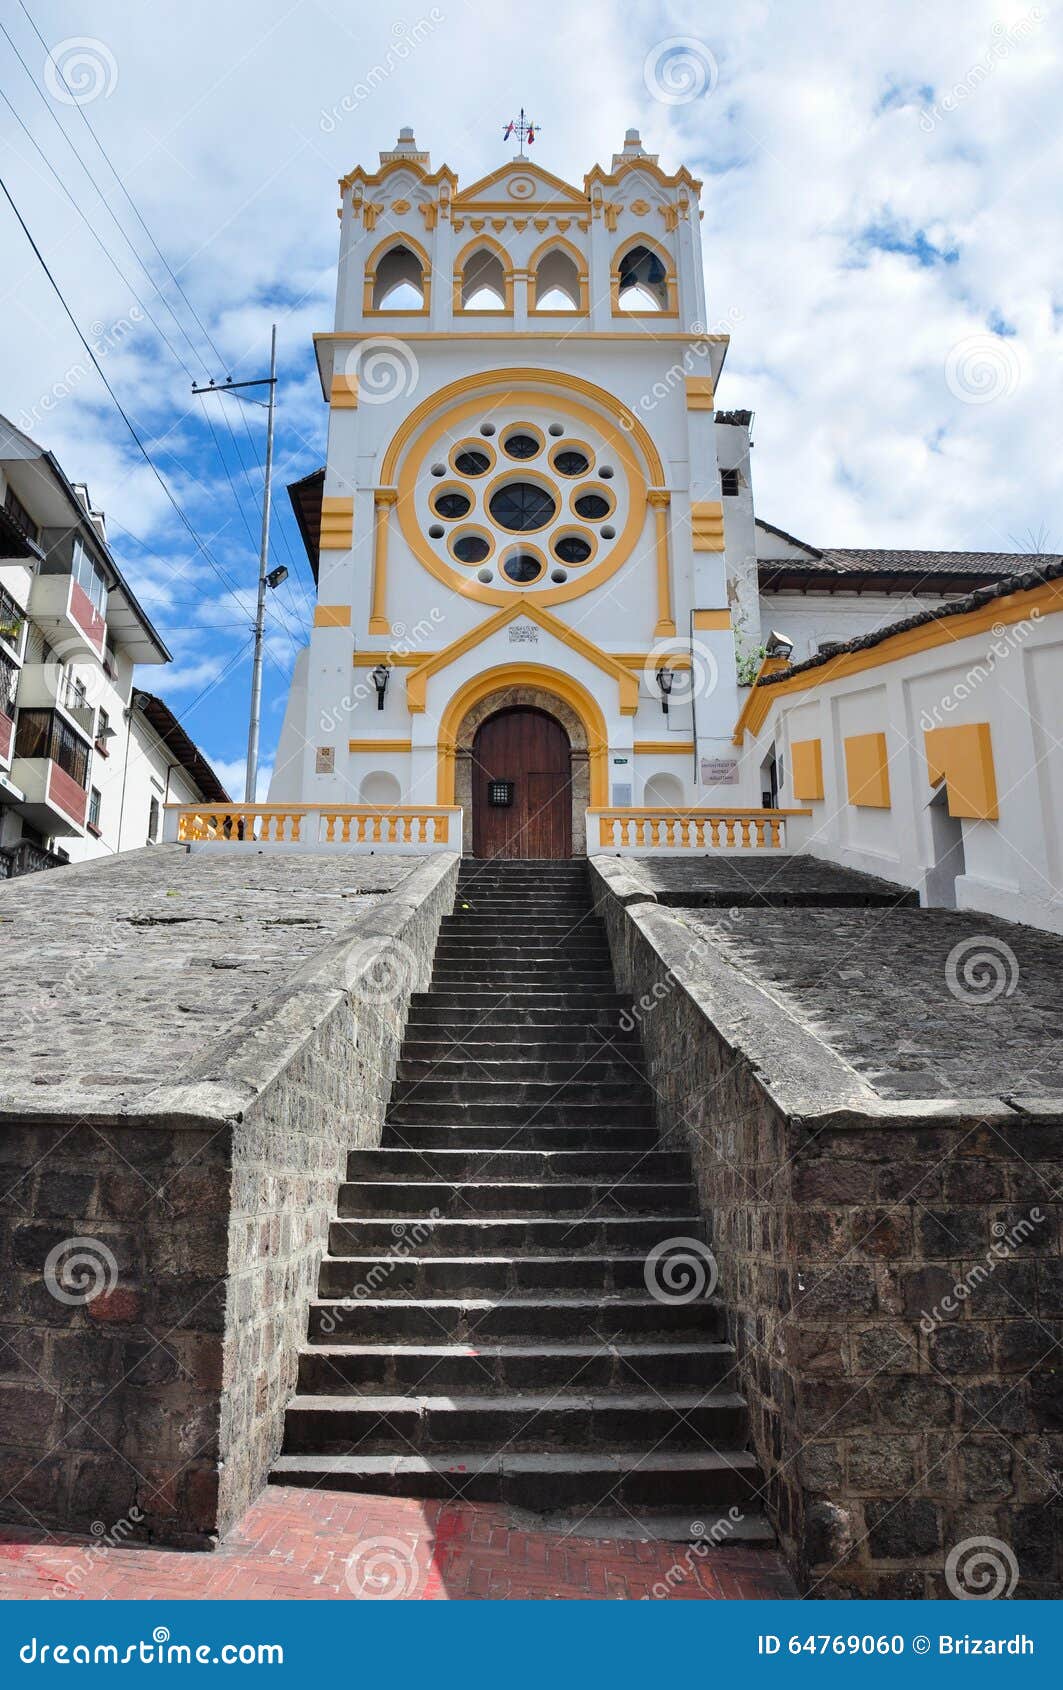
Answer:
(162, 1213)
(891, 1264)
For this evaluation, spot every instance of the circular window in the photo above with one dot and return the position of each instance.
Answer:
(571, 460)
(606, 472)
(439, 469)
(523, 442)
(523, 567)
(471, 547)
(451, 502)
(558, 575)
(471, 459)
(573, 548)
(608, 532)
(487, 428)
(593, 504)
(436, 531)
(522, 506)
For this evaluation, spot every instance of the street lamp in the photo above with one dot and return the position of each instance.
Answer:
(665, 678)
(380, 677)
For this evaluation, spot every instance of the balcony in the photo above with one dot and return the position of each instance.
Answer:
(50, 770)
(70, 620)
(43, 686)
(26, 858)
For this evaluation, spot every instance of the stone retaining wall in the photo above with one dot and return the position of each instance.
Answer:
(891, 1270)
(149, 1394)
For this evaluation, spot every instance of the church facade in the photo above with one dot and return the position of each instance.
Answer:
(542, 587)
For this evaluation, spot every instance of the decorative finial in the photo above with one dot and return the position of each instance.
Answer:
(524, 129)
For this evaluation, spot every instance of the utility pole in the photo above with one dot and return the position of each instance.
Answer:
(251, 778)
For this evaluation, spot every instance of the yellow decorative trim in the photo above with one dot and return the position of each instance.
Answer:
(701, 395)
(711, 621)
(660, 659)
(518, 675)
(806, 764)
(509, 430)
(620, 445)
(660, 498)
(867, 773)
(400, 238)
(332, 616)
(516, 547)
(706, 526)
(344, 395)
(466, 528)
(962, 757)
(525, 374)
(574, 530)
(337, 524)
(483, 243)
(686, 336)
(380, 745)
(662, 747)
(521, 604)
(1030, 602)
(392, 659)
(383, 499)
(602, 489)
(471, 197)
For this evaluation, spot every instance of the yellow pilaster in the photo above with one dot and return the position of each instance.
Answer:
(660, 499)
(383, 499)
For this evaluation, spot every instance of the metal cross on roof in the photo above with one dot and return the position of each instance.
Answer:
(524, 129)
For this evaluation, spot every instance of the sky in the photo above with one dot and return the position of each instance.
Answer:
(881, 233)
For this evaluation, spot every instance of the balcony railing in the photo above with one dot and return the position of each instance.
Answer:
(307, 827)
(652, 831)
(26, 858)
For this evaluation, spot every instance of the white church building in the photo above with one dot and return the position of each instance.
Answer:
(543, 591)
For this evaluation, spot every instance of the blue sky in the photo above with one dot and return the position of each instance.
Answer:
(881, 235)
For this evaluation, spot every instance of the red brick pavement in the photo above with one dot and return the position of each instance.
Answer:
(318, 1545)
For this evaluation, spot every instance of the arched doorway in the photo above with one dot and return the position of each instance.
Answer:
(521, 786)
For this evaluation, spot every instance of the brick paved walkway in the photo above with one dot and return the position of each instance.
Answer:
(318, 1545)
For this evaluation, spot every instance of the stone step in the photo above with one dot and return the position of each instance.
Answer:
(472, 1320)
(422, 1112)
(542, 1481)
(677, 1419)
(564, 956)
(568, 1007)
(495, 1235)
(474, 1091)
(534, 1137)
(461, 1069)
(543, 979)
(403, 1198)
(414, 1276)
(491, 1045)
(483, 1368)
(451, 1014)
(604, 1167)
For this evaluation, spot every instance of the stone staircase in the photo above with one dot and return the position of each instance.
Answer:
(484, 1327)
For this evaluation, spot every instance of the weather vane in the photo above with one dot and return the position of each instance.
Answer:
(523, 128)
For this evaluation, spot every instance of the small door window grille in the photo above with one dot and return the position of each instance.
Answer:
(500, 794)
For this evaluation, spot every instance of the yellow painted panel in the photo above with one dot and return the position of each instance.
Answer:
(700, 395)
(379, 745)
(867, 772)
(344, 393)
(706, 526)
(706, 621)
(962, 757)
(806, 758)
(661, 747)
(332, 616)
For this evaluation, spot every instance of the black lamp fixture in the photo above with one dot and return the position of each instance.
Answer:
(380, 677)
(778, 646)
(276, 576)
(665, 678)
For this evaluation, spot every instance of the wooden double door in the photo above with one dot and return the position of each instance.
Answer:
(521, 786)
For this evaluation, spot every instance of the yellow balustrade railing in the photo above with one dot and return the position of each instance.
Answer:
(312, 825)
(688, 830)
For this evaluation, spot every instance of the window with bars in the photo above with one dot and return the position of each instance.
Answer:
(44, 733)
(12, 620)
(729, 483)
(95, 802)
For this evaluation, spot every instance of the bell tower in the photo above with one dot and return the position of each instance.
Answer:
(521, 508)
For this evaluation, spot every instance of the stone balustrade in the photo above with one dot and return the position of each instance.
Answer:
(657, 830)
(307, 827)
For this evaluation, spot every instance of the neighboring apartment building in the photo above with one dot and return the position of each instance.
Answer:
(87, 761)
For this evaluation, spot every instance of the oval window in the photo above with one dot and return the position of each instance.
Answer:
(572, 548)
(522, 445)
(522, 568)
(471, 548)
(522, 507)
(592, 507)
(571, 462)
(472, 463)
(452, 504)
